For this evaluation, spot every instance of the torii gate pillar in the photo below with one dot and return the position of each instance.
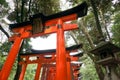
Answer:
(61, 66)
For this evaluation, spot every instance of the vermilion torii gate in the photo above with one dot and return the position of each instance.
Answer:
(43, 61)
(41, 25)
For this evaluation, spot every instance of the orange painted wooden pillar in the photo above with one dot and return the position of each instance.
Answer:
(54, 77)
(46, 73)
(76, 72)
(7, 67)
(37, 75)
(69, 74)
(49, 74)
(61, 67)
(43, 73)
(76, 75)
(22, 74)
(52, 74)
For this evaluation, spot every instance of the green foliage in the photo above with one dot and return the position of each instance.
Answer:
(89, 21)
(30, 72)
(3, 3)
(22, 13)
(74, 2)
(5, 47)
(13, 71)
(4, 8)
(88, 71)
(2, 59)
(25, 8)
(116, 29)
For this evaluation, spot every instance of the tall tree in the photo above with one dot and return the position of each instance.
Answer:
(92, 29)
(97, 19)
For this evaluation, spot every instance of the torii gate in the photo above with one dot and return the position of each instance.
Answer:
(41, 60)
(41, 25)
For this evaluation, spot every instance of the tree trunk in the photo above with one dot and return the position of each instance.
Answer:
(19, 67)
(22, 10)
(18, 71)
(85, 31)
(104, 24)
(4, 31)
(74, 38)
(100, 36)
(17, 12)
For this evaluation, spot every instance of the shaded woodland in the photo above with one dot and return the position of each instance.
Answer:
(101, 22)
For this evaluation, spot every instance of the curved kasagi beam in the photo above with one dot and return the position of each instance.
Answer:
(67, 15)
(52, 51)
(80, 11)
(76, 54)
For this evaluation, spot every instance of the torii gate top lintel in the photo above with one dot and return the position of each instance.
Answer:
(67, 15)
(80, 11)
(40, 24)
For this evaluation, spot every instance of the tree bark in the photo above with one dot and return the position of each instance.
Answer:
(104, 24)
(18, 71)
(22, 10)
(29, 11)
(97, 67)
(94, 58)
(17, 12)
(19, 67)
(85, 31)
(101, 37)
(74, 38)
(7, 35)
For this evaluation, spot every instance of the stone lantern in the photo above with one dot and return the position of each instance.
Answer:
(107, 57)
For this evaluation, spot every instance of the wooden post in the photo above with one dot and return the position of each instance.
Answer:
(24, 66)
(61, 67)
(7, 67)
(37, 75)
(69, 74)
(43, 73)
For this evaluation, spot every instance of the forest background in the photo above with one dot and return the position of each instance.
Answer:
(108, 15)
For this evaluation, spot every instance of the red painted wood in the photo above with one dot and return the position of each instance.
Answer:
(24, 66)
(61, 67)
(7, 67)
